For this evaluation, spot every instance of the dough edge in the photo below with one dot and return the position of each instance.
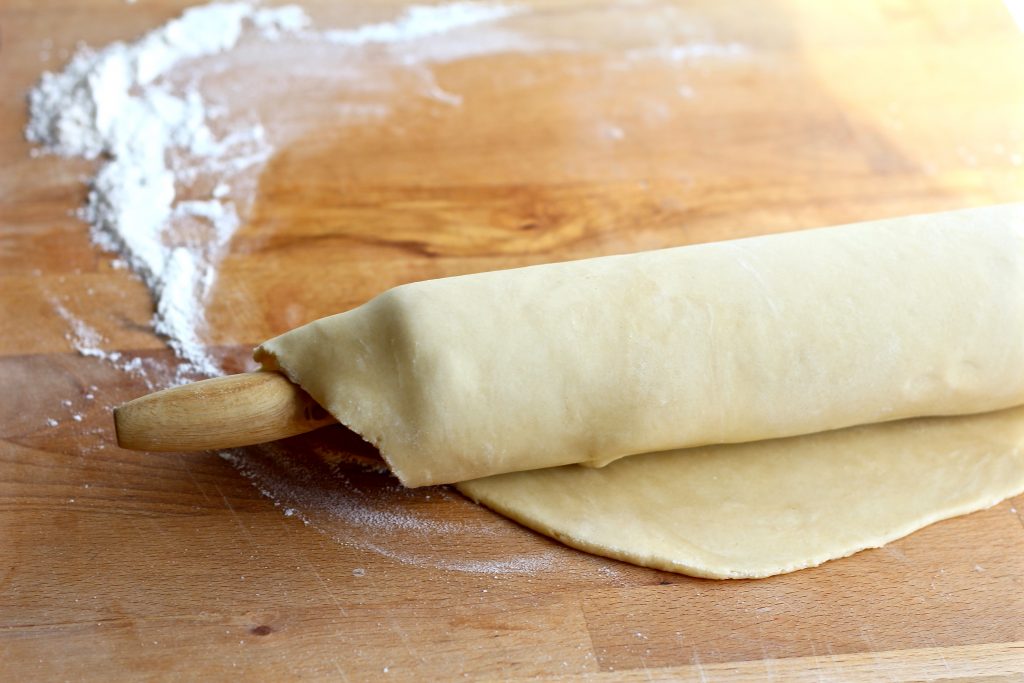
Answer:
(707, 571)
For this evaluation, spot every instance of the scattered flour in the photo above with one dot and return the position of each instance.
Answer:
(696, 51)
(114, 104)
(423, 21)
(83, 337)
(371, 511)
(274, 23)
(118, 105)
(87, 341)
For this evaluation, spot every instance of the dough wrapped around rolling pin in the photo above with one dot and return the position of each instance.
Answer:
(592, 360)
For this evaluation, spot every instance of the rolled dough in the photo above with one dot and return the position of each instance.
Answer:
(769, 507)
(760, 338)
(751, 360)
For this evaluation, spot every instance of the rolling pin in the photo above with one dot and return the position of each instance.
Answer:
(223, 412)
(588, 361)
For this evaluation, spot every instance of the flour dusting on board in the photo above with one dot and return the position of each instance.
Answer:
(114, 104)
(371, 511)
(423, 21)
(165, 195)
(88, 342)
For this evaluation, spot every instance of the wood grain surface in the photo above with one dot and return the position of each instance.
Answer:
(124, 565)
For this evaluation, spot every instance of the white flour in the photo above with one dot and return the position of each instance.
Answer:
(372, 512)
(88, 342)
(114, 104)
(117, 104)
(421, 22)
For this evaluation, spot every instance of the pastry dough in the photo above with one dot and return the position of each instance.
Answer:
(759, 338)
(768, 349)
(756, 509)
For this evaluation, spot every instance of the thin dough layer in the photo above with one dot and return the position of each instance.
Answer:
(757, 509)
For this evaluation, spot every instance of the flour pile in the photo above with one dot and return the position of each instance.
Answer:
(115, 104)
(164, 197)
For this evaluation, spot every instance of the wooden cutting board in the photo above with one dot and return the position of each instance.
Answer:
(119, 565)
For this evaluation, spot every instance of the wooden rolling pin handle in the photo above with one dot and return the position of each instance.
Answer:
(224, 412)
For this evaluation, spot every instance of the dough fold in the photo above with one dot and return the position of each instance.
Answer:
(760, 338)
